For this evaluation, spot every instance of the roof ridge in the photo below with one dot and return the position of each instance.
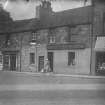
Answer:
(72, 9)
(24, 20)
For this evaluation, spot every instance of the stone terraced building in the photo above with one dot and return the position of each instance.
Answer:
(69, 40)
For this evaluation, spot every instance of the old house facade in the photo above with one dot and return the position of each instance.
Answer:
(67, 39)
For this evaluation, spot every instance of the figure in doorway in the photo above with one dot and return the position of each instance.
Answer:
(47, 66)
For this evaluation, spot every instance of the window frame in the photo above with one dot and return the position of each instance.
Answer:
(52, 39)
(34, 36)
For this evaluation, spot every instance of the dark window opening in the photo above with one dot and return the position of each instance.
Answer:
(7, 42)
(71, 58)
(32, 58)
(1, 58)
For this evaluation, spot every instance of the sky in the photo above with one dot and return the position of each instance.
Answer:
(19, 9)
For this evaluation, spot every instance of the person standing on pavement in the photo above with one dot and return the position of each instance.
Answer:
(47, 66)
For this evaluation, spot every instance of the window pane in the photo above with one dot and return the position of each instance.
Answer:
(32, 58)
(34, 36)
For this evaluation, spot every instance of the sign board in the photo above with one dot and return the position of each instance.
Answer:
(100, 43)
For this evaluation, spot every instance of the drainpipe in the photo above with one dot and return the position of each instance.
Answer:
(21, 52)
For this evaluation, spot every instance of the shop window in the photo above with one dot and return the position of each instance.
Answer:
(32, 58)
(71, 58)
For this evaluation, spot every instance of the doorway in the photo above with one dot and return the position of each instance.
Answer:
(41, 63)
(13, 62)
(50, 58)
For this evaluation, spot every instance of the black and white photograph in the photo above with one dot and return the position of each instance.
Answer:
(52, 52)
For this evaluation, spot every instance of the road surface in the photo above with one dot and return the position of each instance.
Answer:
(71, 97)
(23, 89)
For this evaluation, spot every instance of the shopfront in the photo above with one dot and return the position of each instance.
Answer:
(100, 63)
(100, 55)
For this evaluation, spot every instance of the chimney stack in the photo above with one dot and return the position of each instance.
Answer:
(43, 10)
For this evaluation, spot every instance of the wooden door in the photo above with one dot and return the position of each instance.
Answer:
(50, 58)
(41, 63)
(13, 62)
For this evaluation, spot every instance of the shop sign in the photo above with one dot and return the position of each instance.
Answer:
(100, 43)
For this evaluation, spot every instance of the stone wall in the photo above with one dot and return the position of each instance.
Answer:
(25, 60)
(22, 40)
(43, 36)
(61, 35)
(81, 34)
(76, 34)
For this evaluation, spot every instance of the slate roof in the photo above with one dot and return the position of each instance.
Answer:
(24, 25)
(5, 21)
(70, 17)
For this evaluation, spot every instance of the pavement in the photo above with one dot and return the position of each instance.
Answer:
(53, 87)
(64, 75)
(23, 78)
(12, 81)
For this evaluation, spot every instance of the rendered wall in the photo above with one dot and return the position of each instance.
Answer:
(82, 62)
